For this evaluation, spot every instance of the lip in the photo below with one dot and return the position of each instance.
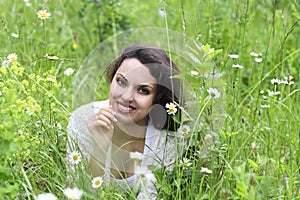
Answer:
(125, 108)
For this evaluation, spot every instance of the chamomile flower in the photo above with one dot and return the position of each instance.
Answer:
(43, 14)
(254, 54)
(136, 155)
(73, 193)
(265, 106)
(171, 108)
(237, 66)
(214, 93)
(194, 73)
(183, 130)
(233, 56)
(14, 35)
(47, 196)
(145, 174)
(258, 60)
(185, 162)
(205, 170)
(97, 182)
(75, 158)
(12, 57)
(69, 71)
(275, 81)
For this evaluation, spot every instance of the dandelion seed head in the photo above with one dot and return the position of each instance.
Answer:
(136, 155)
(73, 193)
(46, 196)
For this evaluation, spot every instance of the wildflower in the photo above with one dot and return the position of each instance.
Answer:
(275, 81)
(185, 162)
(136, 155)
(69, 71)
(75, 45)
(97, 182)
(265, 106)
(12, 57)
(205, 170)
(273, 93)
(184, 129)
(233, 56)
(254, 146)
(73, 194)
(47, 196)
(43, 14)
(15, 35)
(214, 93)
(262, 92)
(194, 73)
(258, 60)
(237, 66)
(5, 63)
(253, 54)
(172, 108)
(75, 158)
(162, 13)
(51, 57)
(145, 174)
(288, 80)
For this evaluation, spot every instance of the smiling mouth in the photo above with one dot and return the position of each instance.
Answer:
(124, 108)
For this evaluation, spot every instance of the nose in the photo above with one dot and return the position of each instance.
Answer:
(127, 95)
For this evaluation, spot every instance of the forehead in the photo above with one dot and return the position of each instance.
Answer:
(135, 71)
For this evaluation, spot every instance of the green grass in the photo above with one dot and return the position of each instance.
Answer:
(256, 155)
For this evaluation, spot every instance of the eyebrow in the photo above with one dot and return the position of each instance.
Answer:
(141, 85)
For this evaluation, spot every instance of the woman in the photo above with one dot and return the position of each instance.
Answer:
(133, 119)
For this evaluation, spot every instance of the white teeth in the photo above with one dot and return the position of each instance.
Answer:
(125, 108)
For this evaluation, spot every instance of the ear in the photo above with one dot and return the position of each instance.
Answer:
(158, 116)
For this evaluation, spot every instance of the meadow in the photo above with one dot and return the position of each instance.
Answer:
(245, 137)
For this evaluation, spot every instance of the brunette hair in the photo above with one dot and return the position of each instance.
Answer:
(163, 69)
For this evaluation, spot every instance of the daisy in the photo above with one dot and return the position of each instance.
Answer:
(253, 54)
(15, 35)
(43, 14)
(69, 71)
(47, 196)
(145, 174)
(185, 162)
(275, 81)
(136, 155)
(184, 129)
(205, 170)
(75, 158)
(97, 182)
(194, 73)
(258, 60)
(233, 56)
(171, 108)
(265, 106)
(73, 194)
(51, 57)
(12, 57)
(214, 93)
(237, 66)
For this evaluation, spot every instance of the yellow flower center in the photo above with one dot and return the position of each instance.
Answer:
(43, 15)
(12, 59)
(75, 157)
(97, 182)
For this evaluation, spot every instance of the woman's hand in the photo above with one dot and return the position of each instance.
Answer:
(102, 124)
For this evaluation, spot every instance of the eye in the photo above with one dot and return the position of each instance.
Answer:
(144, 90)
(121, 81)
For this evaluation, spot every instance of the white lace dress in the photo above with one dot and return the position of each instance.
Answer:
(161, 147)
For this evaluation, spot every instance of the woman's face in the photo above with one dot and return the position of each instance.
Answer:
(132, 92)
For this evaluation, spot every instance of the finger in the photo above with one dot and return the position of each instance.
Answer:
(108, 113)
(103, 124)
